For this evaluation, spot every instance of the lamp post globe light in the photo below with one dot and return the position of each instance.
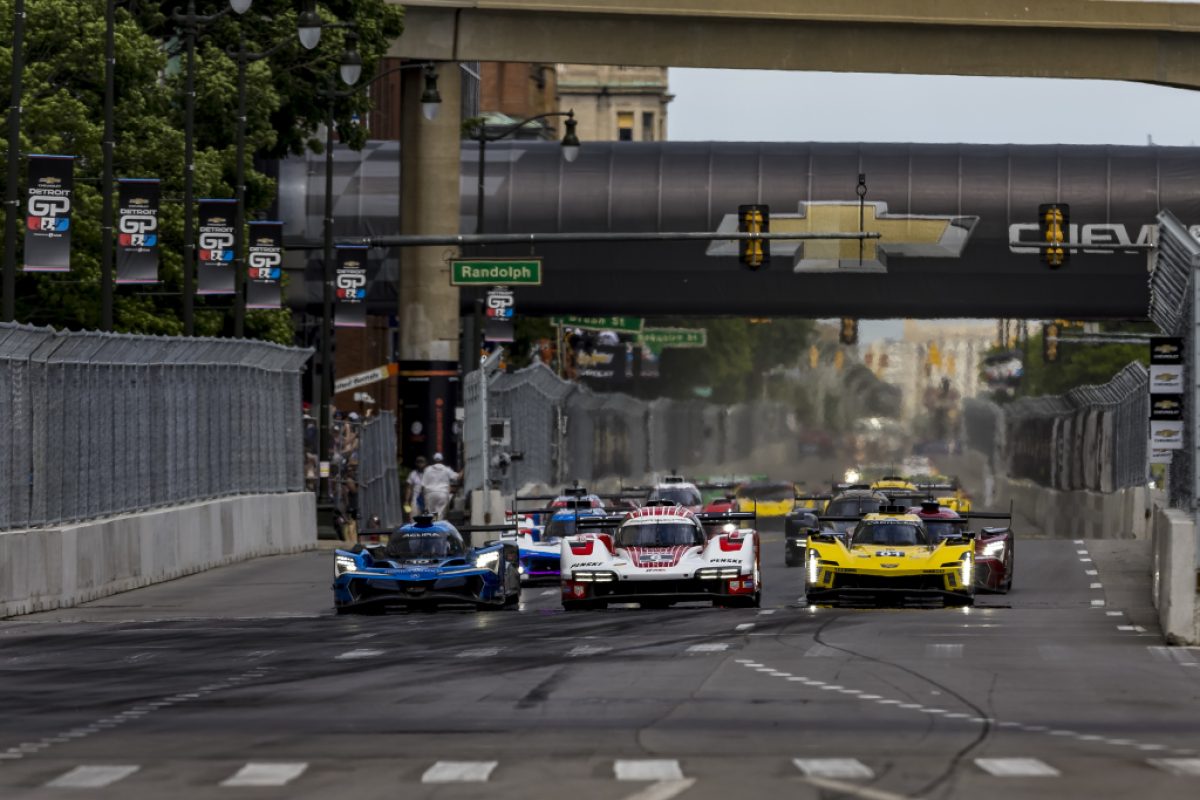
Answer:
(349, 70)
(570, 149)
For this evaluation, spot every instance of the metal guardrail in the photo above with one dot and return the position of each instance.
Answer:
(95, 424)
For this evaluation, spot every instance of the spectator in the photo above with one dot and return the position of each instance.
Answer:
(413, 497)
(435, 486)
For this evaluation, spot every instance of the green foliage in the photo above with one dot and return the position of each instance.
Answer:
(1080, 364)
(63, 101)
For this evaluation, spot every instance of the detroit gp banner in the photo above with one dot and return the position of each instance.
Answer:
(215, 247)
(48, 202)
(264, 257)
(351, 286)
(137, 230)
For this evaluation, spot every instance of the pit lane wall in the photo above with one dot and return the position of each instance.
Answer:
(1175, 582)
(1079, 514)
(48, 568)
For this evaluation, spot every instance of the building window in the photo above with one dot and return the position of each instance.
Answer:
(625, 126)
(647, 126)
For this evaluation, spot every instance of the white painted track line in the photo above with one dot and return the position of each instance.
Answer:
(351, 655)
(647, 769)
(587, 650)
(844, 789)
(480, 652)
(709, 647)
(459, 772)
(663, 790)
(745, 626)
(1016, 767)
(833, 768)
(1189, 767)
(92, 777)
(261, 773)
(944, 650)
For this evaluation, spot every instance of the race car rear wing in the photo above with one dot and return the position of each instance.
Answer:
(713, 517)
(600, 522)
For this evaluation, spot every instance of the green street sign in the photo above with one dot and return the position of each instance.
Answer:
(624, 324)
(659, 339)
(496, 272)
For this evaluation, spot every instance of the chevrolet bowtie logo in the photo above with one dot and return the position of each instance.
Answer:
(905, 235)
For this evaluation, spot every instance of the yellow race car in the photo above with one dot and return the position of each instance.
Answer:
(766, 498)
(890, 557)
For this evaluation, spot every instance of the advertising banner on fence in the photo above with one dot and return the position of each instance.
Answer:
(215, 247)
(137, 230)
(351, 286)
(1166, 393)
(264, 260)
(49, 198)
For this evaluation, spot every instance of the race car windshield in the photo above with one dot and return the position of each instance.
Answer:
(768, 494)
(943, 529)
(660, 534)
(680, 495)
(852, 508)
(423, 545)
(892, 533)
(560, 528)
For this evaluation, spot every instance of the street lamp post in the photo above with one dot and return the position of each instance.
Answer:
(106, 180)
(12, 200)
(244, 59)
(570, 150)
(350, 70)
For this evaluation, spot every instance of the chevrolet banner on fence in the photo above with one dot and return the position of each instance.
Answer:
(215, 252)
(137, 230)
(264, 259)
(1166, 395)
(48, 202)
(351, 286)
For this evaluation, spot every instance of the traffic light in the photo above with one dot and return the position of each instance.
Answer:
(849, 332)
(1050, 348)
(814, 356)
(754, 253)
(1055, 222)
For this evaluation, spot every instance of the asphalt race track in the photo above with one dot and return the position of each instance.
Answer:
(241, 682)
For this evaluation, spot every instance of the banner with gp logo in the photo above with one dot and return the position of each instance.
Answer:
(215, 246)
(49, 193)
(137, 230)
(264, 259)
(351, 286)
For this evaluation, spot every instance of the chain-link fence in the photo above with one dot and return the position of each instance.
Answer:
(379, 500)
(94, 424)
(1173, 309)
(557, 431)
(1093, 437)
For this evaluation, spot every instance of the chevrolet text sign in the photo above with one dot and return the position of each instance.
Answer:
(496, 272)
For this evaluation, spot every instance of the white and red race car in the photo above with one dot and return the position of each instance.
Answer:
(659, 555)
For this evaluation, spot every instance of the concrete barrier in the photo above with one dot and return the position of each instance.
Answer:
(1175, 576)
(48, 568)
(1078, 514)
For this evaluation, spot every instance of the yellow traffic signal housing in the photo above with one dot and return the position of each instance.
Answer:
(1054, 219)
(849, 331)
(754, 253)
(1049, 347)
(814, 356)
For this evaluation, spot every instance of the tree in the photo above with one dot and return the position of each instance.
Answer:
(1080, 364)
(62, 114)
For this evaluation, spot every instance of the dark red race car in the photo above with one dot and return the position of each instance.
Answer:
(994, 546)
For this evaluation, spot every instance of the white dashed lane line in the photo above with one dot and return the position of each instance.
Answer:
(710, 647)
(91, 777)
(459, 772)
(833, 768)
(1097, 603)
(1096, 586)
(479, 652)
(1189, 767)
(647, 769)
(944, 650)
(1016, 767)
(266, 774)
(745, 626)
(587, 650)
(352, 655)
(663, 790)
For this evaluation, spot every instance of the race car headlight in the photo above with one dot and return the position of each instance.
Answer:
(487, 560)
(717, 573)
(967, 568)
(592, 576)
(993, 549)
(520, 569)
(851, 476)
(344, 564)
(814, 569)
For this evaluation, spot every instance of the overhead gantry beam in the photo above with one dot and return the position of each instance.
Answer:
(1128, 40)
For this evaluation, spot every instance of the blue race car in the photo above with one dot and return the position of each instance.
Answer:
(425, 563)
(541, 548)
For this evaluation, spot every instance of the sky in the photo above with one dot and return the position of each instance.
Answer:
(756, 105)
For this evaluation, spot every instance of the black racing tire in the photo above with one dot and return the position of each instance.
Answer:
(342, 611)
(584, 605)
(513, 599)
(960, 601)
(788, 561)
(1008, 569)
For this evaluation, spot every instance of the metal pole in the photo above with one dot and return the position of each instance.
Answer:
(323, 422)
(11, 196)
(106, 182)
(239, 217)
(479, 187)
(462, 239)
(189, 168)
